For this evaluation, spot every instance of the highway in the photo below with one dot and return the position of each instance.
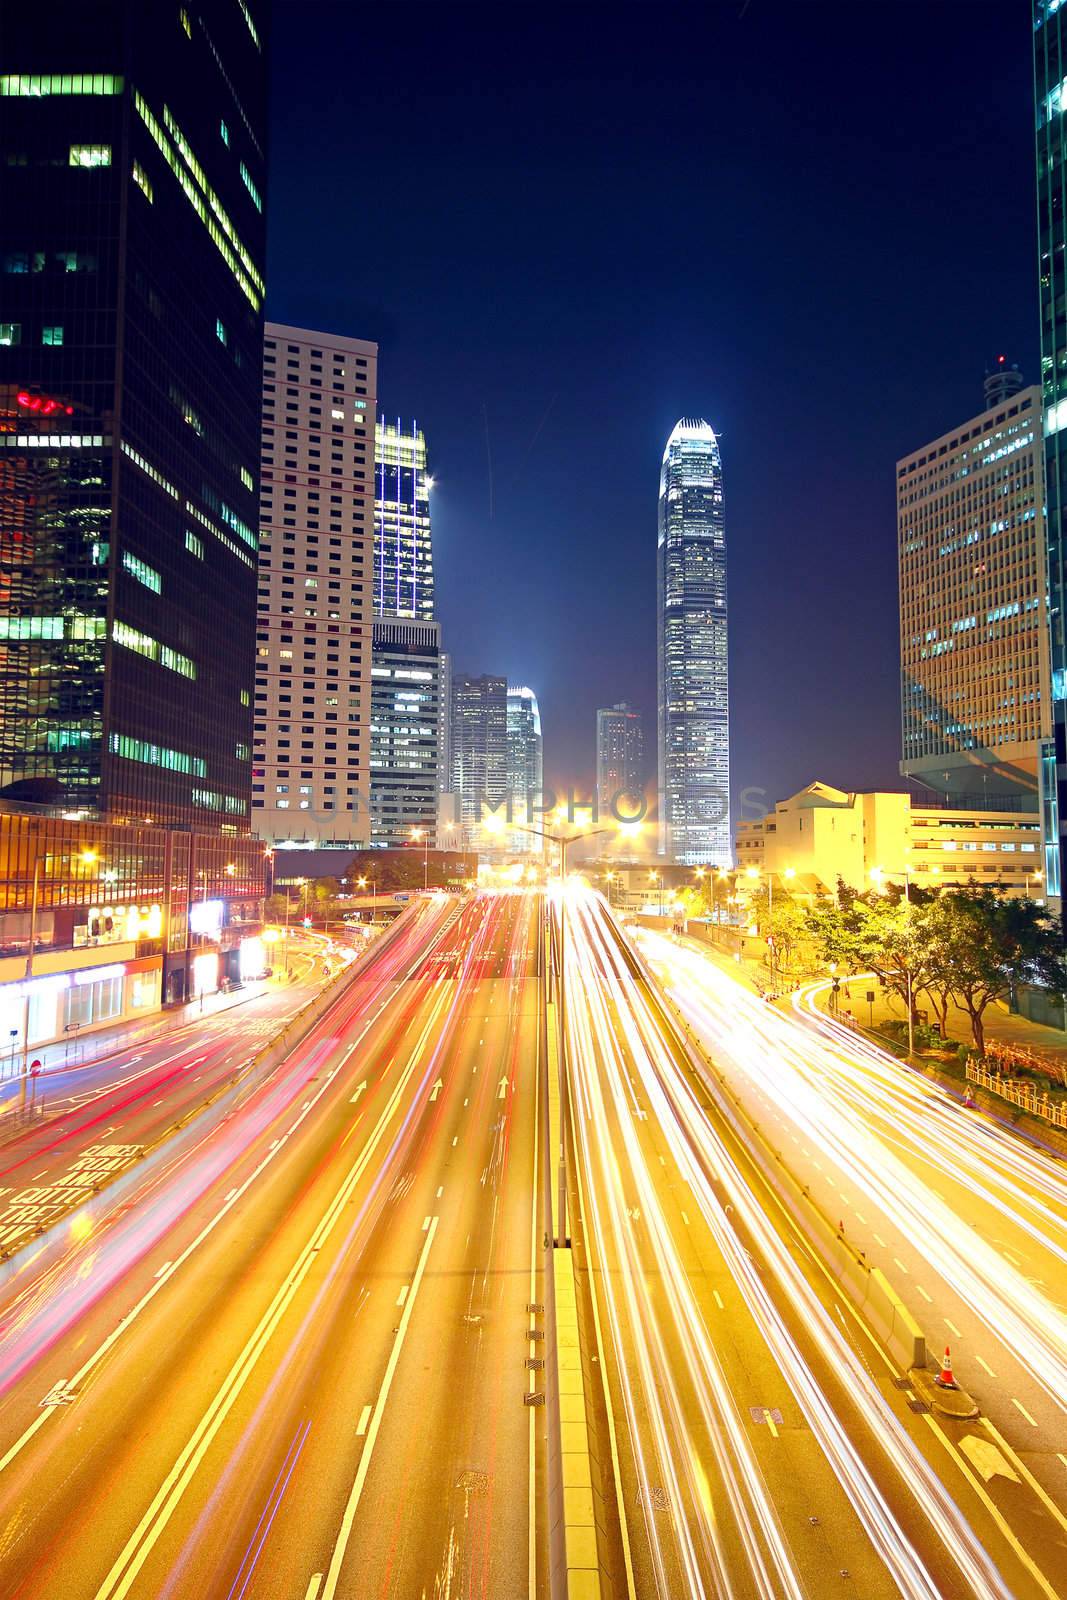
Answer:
(967, 1219)
(762, 1444)
(295, 1363)
(96, 1116)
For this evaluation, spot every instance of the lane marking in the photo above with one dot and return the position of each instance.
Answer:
(928, 1298)
(881, 1241)
(983, 1363)
(718, 1299)
(1024, 1411)
(349, 1517)
(361, 1428)
(900, 1263)
(952, 1328)
(163, 1269)
(401, 1297)
(425, 1223)
(455, 1141)
(313, 1586)
(440, 1191)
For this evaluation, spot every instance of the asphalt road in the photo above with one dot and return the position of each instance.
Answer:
(762, 1444)
(967, 1220)
(295, 1364)
(96, 1117)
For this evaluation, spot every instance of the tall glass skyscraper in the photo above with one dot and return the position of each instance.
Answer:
(694, 711)
(1050, 83)
(403, 553)
(131, 325)
(525, 767)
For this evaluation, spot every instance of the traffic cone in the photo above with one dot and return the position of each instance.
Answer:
(944, 1379)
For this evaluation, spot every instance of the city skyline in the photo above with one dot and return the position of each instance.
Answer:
(541, 295)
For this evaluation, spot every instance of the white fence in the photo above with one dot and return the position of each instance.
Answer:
(1024, 1095)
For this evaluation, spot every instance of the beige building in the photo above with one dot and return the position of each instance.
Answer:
(974, 650)
(311, 743)
(822, 834)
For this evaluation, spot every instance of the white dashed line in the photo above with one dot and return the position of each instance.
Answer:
(1024, 1411)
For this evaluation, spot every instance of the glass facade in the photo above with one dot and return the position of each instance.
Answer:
(525, 767)
(1050, 87)
(403, 730)
(403, 554)
(129, 429)
(479, 750)
(694, 713)
(620, 759)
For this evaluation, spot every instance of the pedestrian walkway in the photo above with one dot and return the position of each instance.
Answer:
(106, 1042)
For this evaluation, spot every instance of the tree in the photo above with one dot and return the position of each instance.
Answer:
(986, 945)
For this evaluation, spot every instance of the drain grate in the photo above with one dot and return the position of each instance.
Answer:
(533, 1397)
(920, 1407)
(535, 1363)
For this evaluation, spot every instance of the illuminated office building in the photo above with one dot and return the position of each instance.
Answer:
(694, 707)
(479, 750)
(313, 650)
(974, 647)
(405, 681)
(403, 551)
(525, 768)
(131, 291)
(620, 759)
(1050, 87)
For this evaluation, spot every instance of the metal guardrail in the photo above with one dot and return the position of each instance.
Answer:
(1024, 1095)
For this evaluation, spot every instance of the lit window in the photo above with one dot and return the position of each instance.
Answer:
(246, 178)
(183, 18)
(283, 805)
(142, 180)
(246, 478)
(90, 155)
(52, 335)
(142, 572)
(244, 697)
(220, 331)
(194, 545)
(241, 751)
(35, 88)
(225, 133)
(10, 333)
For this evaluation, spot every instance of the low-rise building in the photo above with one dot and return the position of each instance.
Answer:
(104, 922)
(822, 834)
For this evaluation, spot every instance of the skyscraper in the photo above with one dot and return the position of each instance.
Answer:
(620, 759)
(1050, 85)
(405, 680)
(132, 195)
(694, 711)
(313, 652)
(525, 767)
(405, 698)
(479, 751)
(974, 649)
(403, 550)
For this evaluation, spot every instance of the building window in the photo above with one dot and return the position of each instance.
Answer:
(52, 335)
(194, 545)
(10, 333)
(225, 134)
(36, 87)
(142, 572)
(246, 179)
(90, 155)
(220, 331)
(142, 180)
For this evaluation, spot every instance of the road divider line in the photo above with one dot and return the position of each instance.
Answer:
(124, 1571)
(345, 1530)
(361, 1425)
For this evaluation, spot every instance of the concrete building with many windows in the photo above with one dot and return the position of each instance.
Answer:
(311, 739)
(132, 194)
(694, 701)
(405, 685)
(823, 834)
(620, 759)
(974, 644)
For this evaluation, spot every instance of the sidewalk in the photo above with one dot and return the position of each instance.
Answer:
(1005, 1026)
(106, 1042)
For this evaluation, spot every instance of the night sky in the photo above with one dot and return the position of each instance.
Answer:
(812, 224)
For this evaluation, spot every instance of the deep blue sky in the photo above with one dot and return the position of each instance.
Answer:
(812, 224)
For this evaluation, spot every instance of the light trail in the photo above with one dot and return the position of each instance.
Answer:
(612, 1023)
(883, 1127)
